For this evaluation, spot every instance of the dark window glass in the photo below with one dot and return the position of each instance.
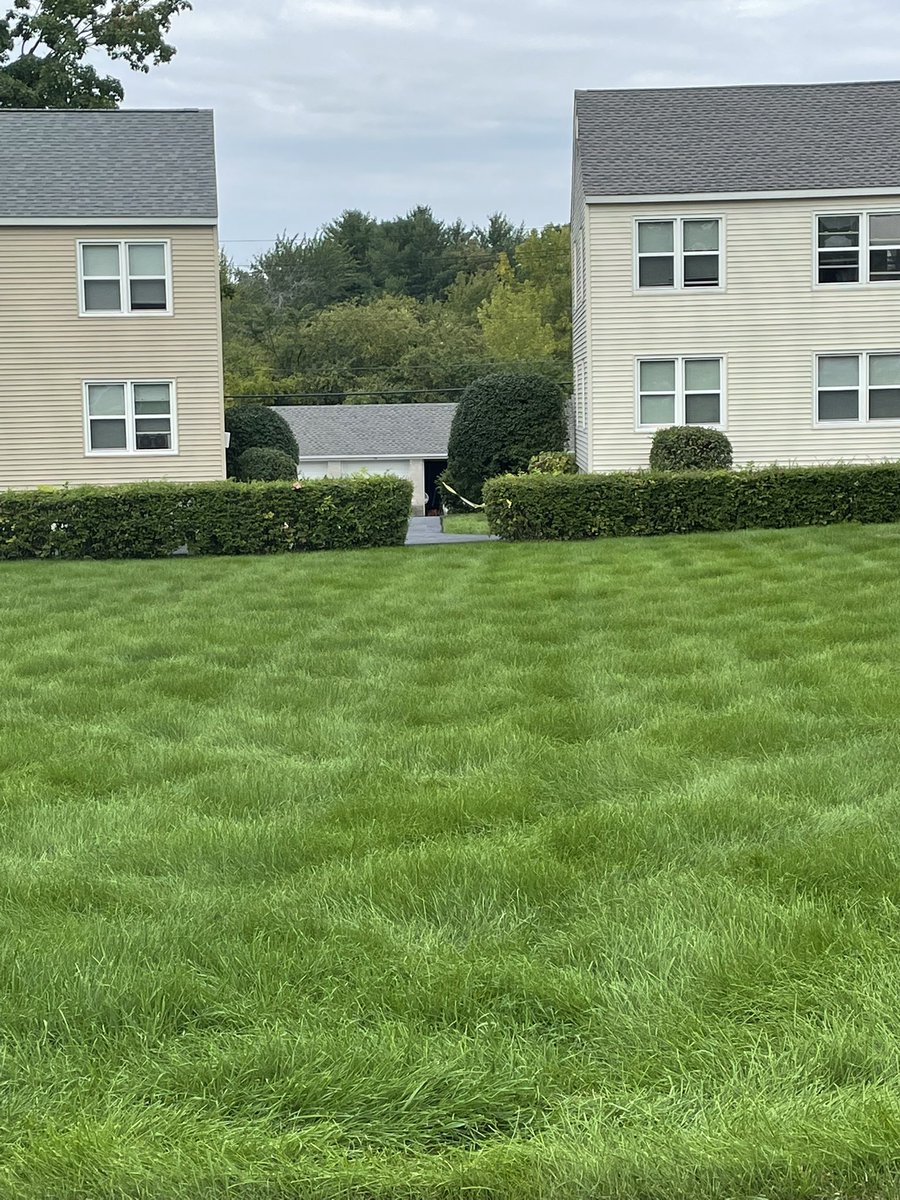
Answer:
(884, 404)
(148, 294)
(839, 405)
(701, 270)
(657, 272)
(885, 265)
(702, 410)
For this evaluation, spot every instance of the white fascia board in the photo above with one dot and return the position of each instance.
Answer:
(392, 457)
(716, 197)
(105, 222)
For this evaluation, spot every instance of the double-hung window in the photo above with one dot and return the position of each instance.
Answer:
(679, 391)
(858, 248)
(121, 278)
(858, 388)
(682, 253)
(130, 417)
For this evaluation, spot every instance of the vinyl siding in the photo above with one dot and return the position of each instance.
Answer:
(580, 436)
(768, 323)
(47, 351)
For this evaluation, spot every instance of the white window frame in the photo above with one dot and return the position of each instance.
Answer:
(865, 274)
(125, 309)
(130, 450)
(680, 360)
(679, 254)
(862, 418)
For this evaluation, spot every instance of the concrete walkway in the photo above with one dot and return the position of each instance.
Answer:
(427, 531)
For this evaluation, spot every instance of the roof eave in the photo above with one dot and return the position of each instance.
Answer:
(707, 197)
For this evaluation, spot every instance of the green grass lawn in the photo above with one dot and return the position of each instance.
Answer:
(466, 523)
(522, 872)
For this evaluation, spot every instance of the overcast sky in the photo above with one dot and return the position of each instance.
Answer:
(464, 105)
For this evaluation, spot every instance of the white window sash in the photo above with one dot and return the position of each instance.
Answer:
(130, 418)
(864, 251)
(679, 254)
(681, 392)
(863, 388)
(124, 278)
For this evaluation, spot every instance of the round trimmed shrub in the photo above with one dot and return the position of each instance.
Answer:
(501, 422)
(690, 448)
(264, 464)
(553, 462)
(255, 425)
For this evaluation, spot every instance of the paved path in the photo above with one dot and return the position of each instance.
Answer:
(427, 531)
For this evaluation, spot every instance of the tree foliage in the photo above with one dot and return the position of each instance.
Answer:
(502, 421)
(405, 309)
(46, 48)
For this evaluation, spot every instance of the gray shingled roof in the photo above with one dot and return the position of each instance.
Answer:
(121, 164)
(672, 141)
(370, 430)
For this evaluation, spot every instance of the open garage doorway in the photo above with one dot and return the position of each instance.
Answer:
(433, 468)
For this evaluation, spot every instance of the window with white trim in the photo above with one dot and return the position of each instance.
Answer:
(679, 391)
(130, 417)
(118, 278)
(858, 388)
(681, 253)
(858, 248)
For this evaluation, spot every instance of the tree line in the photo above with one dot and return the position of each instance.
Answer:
(406, 309)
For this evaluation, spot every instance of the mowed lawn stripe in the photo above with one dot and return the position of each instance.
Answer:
(502, 871)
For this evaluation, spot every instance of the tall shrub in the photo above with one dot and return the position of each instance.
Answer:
(501, 422)
(254, 426)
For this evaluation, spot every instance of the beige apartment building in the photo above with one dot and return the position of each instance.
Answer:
(110, 329)
(736, 264)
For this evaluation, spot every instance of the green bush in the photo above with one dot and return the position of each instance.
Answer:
(264, 464)
(255, 425)
(553, 462)
(153, 520)
(501, 421)
(690, 448)
(569, 507)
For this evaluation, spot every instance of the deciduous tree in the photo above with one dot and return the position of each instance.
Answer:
(46, 45)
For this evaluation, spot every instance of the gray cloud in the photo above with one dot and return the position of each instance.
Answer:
(382, 104)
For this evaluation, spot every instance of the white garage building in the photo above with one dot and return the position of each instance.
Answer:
(409, 440)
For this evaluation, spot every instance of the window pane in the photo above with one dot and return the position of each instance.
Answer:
(148, 294)
(100, 260)
(701, 270)
(153, 434)
(656, 272)
(656, 237)
(884, 370)
(702, 409)
(657, 410)
(839, 371)
(658, 376)
(701, 235)
(147, 259)
(102, 297)
(840, 266)
(884, 404)
(150, 398)
(884, 229)
(702, 375)
(108, 435)
(839, 231)
(884, 264)
(839, 406)
(106, 400)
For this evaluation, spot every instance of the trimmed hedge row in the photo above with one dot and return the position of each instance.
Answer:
(571, 507)
(153, 520)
